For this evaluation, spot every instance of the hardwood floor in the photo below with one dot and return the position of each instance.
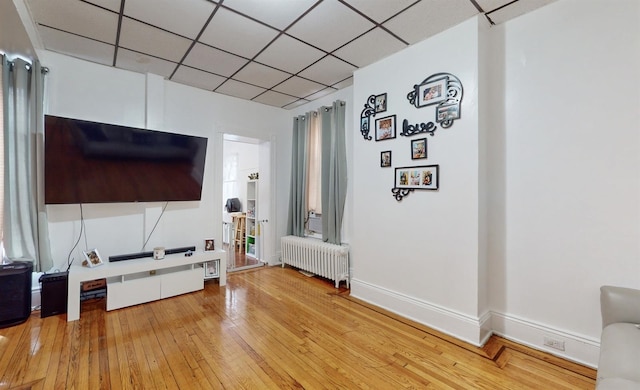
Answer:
(270, 328)
(238, 259)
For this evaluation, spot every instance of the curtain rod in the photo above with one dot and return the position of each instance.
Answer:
(326, 109)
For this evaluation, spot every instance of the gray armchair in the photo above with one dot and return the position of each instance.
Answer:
(619, 363)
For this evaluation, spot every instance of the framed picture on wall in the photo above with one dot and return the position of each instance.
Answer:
(386, 128)
(431, 92)
(385, 159)
(447, 112)
(419, 148)
(381, 103)
(425, 177)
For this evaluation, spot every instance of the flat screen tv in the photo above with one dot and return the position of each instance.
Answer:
(91, 162)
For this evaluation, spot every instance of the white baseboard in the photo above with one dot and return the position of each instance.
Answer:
(36, 299)
(578, 348)
(477, 331)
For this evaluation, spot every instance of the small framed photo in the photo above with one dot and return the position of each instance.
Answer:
(424, 177)
(212, 269)
(432, 92)
(92, 258)
(381, 103)
(209, 245)
(419, 149)
(385, 159)
(386, 128)
(447, 112)
(364, 123)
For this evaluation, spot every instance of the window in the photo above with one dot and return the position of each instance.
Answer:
(1, 164)
(314, 179)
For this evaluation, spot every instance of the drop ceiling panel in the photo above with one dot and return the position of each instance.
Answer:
(261, 75)
(276, 13)
(370, 48)
(76, 46)
(150, 40)
(143, 63)
(516, 9)
(289, 54)
(299, 87)
(330, 25)
(295, 104)
(113, 5)
(213, 60)
(449, 13)
(240, 90)
(76, 17)
(184, 17)
(380, 10)
(276, 51)
(321, 93)
(343, 83)
(490, 5)
(197, 78)
(328, 71)
(275, 99)
(237, 34)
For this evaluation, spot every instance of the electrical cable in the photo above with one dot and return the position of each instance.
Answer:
(78, 240)
(154, 226)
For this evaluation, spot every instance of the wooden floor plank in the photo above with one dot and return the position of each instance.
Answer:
(270, 328)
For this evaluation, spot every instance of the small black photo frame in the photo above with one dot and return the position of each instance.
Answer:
(385, 159)
(381, 103)
(418, 148)
(386, 128)
(209, 244)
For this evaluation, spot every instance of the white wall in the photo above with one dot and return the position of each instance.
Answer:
(84, 90)
(420, 256)
(539, 199)
(571, 169)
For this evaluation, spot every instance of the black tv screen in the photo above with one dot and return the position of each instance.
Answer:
(91, 162)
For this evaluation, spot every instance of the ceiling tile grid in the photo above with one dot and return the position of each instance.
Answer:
(213, 60)
(143, 63)
(282, 53)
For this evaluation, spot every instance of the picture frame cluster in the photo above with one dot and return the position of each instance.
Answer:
(443, 93)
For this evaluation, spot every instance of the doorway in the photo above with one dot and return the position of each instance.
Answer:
(245, 171)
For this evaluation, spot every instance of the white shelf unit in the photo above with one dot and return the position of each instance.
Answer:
(132, 282)
(252, 237)
(142, 287)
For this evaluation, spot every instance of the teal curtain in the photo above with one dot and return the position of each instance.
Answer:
(298, 191)
(334, 171)
(25, 230)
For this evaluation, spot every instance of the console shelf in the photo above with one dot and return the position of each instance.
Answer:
(144, 280)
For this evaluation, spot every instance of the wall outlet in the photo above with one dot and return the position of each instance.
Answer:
(553, 343)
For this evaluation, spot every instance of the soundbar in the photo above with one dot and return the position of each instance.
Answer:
(140, 255)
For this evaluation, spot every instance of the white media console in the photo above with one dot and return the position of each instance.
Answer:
(136, 281)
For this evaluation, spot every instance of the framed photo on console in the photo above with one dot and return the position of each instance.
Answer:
(212, 269)
(92, 258)
(209, 245)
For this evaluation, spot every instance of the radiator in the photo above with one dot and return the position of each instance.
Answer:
(312, 255)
